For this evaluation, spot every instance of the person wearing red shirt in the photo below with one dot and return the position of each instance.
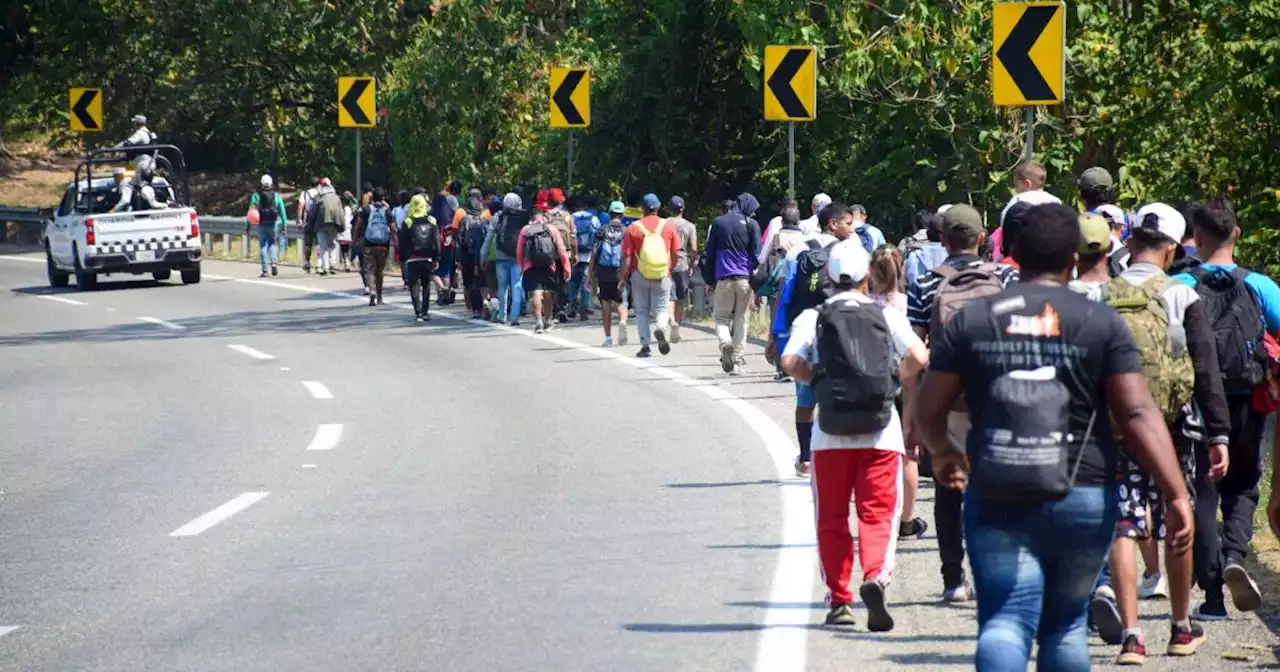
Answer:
(642, 270)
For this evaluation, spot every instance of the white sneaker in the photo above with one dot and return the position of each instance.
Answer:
(958, 594)
(622, 334)
(608, 342)
(675, 333)
(1153, 587)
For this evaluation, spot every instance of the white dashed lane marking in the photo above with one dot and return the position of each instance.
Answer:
(326, 438)
(219, 514)
(162, 323)
(317, 389)
(6, 629)
(246, 350)
(60, 299)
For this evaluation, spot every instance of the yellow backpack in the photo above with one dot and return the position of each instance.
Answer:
(654, 257)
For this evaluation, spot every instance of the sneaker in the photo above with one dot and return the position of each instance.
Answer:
(514, 323)
(364, 290)
(379, 300)
(373, 301)
(957, 594)
(736, 370)
(644, 352)
(675, 333)
(1105, 615)
(419, 319)
(663, 346)
(583, 316)
(306, 268)
(549, 325)
(322, 272)
(622, 334)
(1245, 595)
(726, 357)
(537, 328)
(1153, 587)
(1210, 611)
(840, 614)
(608, 342)
(878, 618)
(262, 274)
(274, 270)
(426, 317)
(802, 468)
(916, 527)
(561, 317)
(1184, 642)
(1132, 651)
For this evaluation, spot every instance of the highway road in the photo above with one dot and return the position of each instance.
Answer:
(270, 475)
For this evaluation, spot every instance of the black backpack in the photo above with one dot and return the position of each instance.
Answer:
(509, 230)
(1238, 326)
(268, 213)
(425, 238)
(474, 231)
(1117, 262)
(853, 380)
(810, 288)
(539, 246)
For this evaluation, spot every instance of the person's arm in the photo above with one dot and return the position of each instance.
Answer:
(488, 240)
(770, 239)
(936, 395)
(563, 250)
(798, 356)
(1209, 393)
(709, 270)
(672, 237)
(282, 224)
(754, 240)
(917, 312)
(628, 249)
(693, 247)
(520, 248)
(1268, 294)
(357, 229)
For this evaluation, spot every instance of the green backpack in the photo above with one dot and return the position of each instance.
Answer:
(1170, 377)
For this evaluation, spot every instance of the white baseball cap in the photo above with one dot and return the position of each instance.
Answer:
(942, 209)
(139, 119)
(848, 263)
(821, 200)
(1161, 218)
(266, 181)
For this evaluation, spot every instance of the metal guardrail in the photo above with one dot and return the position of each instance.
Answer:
(212, 228)
(22, 215)
(21, 225)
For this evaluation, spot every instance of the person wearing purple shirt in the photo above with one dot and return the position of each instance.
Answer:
(733, 246)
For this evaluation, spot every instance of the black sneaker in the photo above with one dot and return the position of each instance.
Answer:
(1184, 642)
(561, 317)
(373, 301)
(916, 527)
(274, 270)
(1245, 595)
(1106, 618)
(878, 618)
(663, 346)
(306, 268)
(1132, 652)
(644, 352)
(840, 614)
(379, 300)
(426, 317)
(1213, 609)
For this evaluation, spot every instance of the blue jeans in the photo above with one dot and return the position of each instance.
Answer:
(1034, 567)
(268, 250)
(579, 291)
(510, 288)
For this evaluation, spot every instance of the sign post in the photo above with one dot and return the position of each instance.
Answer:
(1029, 67)
(570, 104)
(790, 94)
(357, 108)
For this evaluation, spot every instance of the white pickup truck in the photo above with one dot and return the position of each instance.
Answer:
(85, 239)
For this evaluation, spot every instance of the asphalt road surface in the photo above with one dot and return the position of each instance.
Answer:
(270, 475)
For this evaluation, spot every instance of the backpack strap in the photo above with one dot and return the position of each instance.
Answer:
(813, 244)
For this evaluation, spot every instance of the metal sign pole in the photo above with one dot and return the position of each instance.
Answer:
(791, 159)
(1031, 134)
(569, 185)
(358, 189)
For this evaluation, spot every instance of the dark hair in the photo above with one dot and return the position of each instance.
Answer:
(379, 194)
(921, 221)
(419, 190)
(573, 203)
(591, 201)
(404, 196)
(495, 206)
(1216, 219)
(455, 187)
(1014, 223)
(830, 213)
(933, 228)
(368, 186)
(1096, 195)
(632, 197)
(1144, 239)
(790, 214)
(1049, 241)
(727, 205)
(960, 238)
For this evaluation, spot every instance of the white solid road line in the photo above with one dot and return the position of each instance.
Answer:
(782, 646)
(163, 323)
(30, 260)
(246, 350)
(317, 389)
(60, 299)
(6, 629)
(326, 438)
(219, 514)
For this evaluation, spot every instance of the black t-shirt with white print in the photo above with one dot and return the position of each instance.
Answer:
(1042, 325)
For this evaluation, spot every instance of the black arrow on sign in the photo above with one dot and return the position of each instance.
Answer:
(780, 82)
(564, 97)
(1015, 53)
(81, 110)
(351, 102)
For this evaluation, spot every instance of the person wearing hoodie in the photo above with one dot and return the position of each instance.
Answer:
(471, 228)
(732, 251)
(504, 236)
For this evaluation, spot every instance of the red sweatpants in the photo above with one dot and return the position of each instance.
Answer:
(874, 480)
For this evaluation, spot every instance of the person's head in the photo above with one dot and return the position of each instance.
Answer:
(512, 201)
(859, 215)
(455, 187)
(848, 266)
(118, 174)
(1096, 187)
(1028, 176)
(367, 187)
(474, 205)
(962, 230)
(488, 194)
(933, 228)
(820, 201)
(790, 215)
(574, 203)
(540, 200)
(921, 221)
(555, 197)
(379, 195)
(348, 198)
(265, 182)
(1115, 218)
(728, 205)
(494, 205)
(885, 275)
(591, 202)
(139, 120)
(836, 220)
(1095, 243)
(1050, 241)
(419, 191)
(1214, 224)
(748, 204)
(676, 206)
(632, 197)
(325, 182)
(315, 181)
(616, 210)
(1014, 221)
(1156, 236)
(651, 204)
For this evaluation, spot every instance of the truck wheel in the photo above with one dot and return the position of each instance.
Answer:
(191, 276)
(85, 281)
(57, 278)
(161, 276)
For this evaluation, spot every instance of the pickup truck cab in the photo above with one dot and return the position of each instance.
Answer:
(86, 239)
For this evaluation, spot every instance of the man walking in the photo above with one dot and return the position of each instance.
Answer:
(733, 245)
(375, 227)
(544, 262)
(330, 218)
(585, 225)
(304, 218)
(649, 253)
(270, 223)
(687, 235)
(604, 273)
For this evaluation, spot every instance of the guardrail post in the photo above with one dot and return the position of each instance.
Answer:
(698, 288)
(226, 244)
(244, 246)
(206, 241)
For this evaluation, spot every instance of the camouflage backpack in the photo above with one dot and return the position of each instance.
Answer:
(1166, 363)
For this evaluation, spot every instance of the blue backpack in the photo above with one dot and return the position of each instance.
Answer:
(377, 231)
(867, 243)
(610, 255)
(586, 226)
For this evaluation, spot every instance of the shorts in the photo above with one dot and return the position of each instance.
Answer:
(540, 280)
(1139, 495)
(680, 285)
(805, 397)
(445, 268)
(607, 288)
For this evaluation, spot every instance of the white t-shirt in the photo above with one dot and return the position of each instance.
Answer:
(824, 239)
(802, 343)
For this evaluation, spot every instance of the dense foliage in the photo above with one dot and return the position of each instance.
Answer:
(1180, 98)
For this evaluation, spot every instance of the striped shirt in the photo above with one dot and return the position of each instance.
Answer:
(921, 293)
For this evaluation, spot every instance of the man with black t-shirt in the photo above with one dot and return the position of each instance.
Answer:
(1036, 363)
